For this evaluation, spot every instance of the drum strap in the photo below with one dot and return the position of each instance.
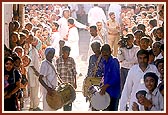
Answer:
(55, 71)
(96, 65)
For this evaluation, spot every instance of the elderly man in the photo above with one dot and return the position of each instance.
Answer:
(33, 72)
(48, 76)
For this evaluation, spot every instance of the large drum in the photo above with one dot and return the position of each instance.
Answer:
(54, 101)
(64, 94)
(100, 102)
(92, 90)
(88, 82)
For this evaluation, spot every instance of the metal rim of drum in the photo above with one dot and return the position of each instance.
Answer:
(101, 105)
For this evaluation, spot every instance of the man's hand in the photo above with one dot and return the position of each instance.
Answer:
(103, 89)
(8, 96)
(135, 106)
(147, 103)
(50, 91)
(35, 71)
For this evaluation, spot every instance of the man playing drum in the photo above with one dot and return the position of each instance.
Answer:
(111, 82)
(93, 59)
(95, 68)
(66, 68)
(48, 77)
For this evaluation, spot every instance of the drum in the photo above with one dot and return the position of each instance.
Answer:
(54, 101)
(88, 82)
(67, 93)
(92, 90)
(64, 94)
(100, 102)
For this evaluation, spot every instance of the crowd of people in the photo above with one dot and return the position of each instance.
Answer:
(126, 47)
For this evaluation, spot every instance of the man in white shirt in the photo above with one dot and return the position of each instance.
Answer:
(33, 72)
(55, 38)
(73, 39)
(86, 8)
(48, 77)
(134, 81)
(157, 50)
(96, 14)
(127, 57)
(63, 23)
(94, 38)
(73, 9)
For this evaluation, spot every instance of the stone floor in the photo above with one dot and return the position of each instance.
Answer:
(79, 104)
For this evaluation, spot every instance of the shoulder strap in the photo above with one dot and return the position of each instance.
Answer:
(96, 65)
(55, 71)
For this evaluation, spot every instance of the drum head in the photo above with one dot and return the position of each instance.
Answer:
(54, 101)
(100, 102)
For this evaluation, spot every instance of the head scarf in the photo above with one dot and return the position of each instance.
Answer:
(48, 49)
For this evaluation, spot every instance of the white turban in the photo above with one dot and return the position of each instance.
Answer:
(49, 48)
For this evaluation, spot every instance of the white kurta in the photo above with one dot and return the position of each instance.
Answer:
(33, 79)
(73, 42)
(74, 8)
(96, 14)
(134, 83)
(158, 57)
(157, 101)
(128, 57)
(63, 26)
(55, 38)
(49, 78)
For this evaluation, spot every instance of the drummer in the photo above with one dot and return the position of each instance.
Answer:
(111, 80)
(66, 68)
(48, 76)
(94, 59)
